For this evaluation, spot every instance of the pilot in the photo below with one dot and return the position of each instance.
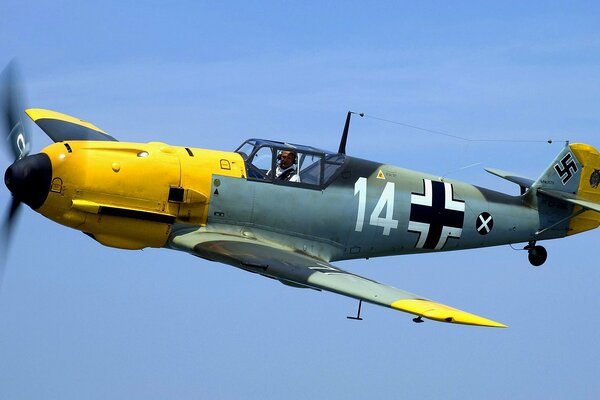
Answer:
(286, 170)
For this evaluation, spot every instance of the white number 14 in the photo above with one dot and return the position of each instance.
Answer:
(386, 200)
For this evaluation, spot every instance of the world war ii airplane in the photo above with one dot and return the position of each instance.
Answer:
(237, 208)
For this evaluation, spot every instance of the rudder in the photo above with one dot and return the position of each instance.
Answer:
(588, 188)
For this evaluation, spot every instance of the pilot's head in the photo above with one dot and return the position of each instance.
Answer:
(286, 159)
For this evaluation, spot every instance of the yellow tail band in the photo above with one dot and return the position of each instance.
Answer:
(589, 187)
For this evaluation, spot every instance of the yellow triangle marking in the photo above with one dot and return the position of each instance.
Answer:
(380, 175)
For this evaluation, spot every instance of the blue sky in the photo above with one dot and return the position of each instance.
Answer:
(78, 320)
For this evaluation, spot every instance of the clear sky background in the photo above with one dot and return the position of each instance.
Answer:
(82, 321)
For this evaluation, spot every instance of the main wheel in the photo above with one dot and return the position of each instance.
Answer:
(537, 255)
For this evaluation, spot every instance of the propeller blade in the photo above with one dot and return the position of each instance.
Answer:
(14, 137)
(13, 212)
(12, 97)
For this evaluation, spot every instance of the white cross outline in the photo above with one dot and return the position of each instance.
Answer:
(484, 223)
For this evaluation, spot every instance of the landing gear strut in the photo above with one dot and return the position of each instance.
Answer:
(537, 254)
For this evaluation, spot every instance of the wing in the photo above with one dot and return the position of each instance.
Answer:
(60, 127)
(300, 270)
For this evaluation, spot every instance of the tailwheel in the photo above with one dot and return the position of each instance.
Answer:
(537, 254)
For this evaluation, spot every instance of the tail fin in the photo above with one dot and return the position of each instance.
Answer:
(574, 178)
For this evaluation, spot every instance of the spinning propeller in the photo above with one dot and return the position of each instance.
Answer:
(28, 177)
(16, 139)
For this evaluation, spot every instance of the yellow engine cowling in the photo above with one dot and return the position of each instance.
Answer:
(128, 195)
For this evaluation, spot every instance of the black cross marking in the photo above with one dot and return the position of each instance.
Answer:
(484, 223)
(436, 215)
(566, 168)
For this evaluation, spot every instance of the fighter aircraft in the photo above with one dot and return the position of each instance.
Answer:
(287, 211)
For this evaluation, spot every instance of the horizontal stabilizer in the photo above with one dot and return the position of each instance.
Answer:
(524, 183)
(571, 198)
(60, 127)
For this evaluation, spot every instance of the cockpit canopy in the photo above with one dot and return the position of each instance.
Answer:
(289, 164)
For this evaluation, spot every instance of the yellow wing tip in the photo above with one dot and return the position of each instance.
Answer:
(442, 313)
(40, 113)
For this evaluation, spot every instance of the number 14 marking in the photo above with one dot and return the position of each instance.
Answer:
(386, 200)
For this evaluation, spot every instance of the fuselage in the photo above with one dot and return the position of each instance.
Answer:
(371, 209)
(131, 195)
